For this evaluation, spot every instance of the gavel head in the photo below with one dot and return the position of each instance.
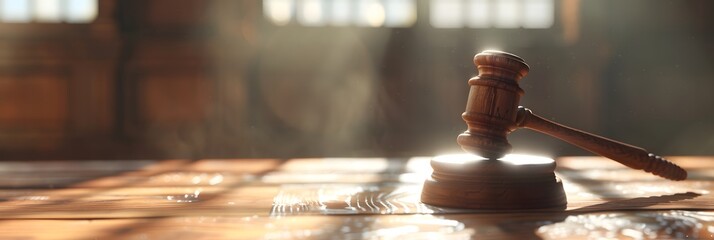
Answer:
(492, 104)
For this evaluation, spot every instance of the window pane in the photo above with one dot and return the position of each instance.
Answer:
(479, 13)
(370, 13)
(81, 11)
(508, 13)
(342, 12)
(538, 13)
(400, 13)
(311, 12)
(15, 11)
(279, 12)
(446, 13)
(48, 10)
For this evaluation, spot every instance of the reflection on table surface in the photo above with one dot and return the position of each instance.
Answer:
(332, 198)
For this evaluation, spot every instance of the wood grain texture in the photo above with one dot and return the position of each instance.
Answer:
(468, 181)
(493, 98)
(628, 155)
(235, 187)
(610, 225)
(334, 198)
(492, 112)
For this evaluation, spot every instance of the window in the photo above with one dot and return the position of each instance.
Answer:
(491, 13)
(48, 11)
(402, 13)
(364, 13)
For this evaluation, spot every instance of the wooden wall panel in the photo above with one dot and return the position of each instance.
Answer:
(57, 88)
(173, 97)
(33, 101)
(167, 86)
(167, 12)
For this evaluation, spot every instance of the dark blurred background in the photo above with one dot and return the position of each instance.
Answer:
(110, 79)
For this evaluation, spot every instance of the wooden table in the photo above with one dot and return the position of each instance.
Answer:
(333, 198)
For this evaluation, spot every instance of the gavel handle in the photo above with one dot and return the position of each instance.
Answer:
(628, 155)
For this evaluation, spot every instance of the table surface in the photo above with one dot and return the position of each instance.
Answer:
(332, 198)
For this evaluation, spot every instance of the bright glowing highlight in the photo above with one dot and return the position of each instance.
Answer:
(515, 159)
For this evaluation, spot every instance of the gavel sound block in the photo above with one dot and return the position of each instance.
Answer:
(512, 182)
(485, 179)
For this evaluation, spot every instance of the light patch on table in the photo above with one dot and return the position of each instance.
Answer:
(349, 199)
(331, 165)
(641, 225)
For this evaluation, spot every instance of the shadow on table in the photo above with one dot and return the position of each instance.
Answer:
(637, 203)
(600, 220)
(60, 174)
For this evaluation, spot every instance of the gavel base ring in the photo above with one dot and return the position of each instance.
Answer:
(514, 182)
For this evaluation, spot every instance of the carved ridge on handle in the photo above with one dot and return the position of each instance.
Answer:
(662, 167)
(628, 155)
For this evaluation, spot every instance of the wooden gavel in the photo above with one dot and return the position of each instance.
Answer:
(492, 112)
